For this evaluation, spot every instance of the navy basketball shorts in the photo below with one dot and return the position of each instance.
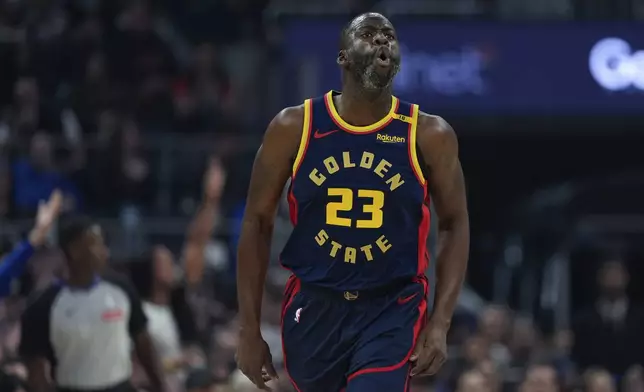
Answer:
(351, 341)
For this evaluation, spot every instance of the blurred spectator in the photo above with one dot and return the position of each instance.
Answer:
(29, 111)
(121, 173)
(540, 378)
(204, 97)
(476, 349)
(608, 334)
(560, 355)
(140, 58)
(473, 381)
(493, 324)
(36, 176)
(154, 277)
(163, 288)
(93, 93)
(634, 380)
(490, 371)
(523, 342)
(599, 380)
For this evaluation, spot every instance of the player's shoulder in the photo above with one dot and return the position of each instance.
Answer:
(289, 119)
(433, 129)
(284, 133)
(433, 123)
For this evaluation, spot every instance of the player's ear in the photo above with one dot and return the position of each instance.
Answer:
(342, 57)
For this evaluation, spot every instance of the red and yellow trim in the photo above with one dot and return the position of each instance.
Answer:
(306, 135)
(339, 121)
(413, 154)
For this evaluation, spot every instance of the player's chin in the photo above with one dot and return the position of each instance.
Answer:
(384, 79)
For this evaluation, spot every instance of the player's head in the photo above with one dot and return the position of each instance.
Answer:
(82, 241)
(369, 51)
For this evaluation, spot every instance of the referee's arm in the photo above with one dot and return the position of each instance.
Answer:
(142, 342)
(35, 347)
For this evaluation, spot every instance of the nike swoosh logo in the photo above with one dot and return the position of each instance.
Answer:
(319, 135)
(404, 300)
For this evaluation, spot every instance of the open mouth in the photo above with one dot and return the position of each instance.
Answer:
(382, 58)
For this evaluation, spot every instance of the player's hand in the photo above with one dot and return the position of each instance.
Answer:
(254, 359)
(214, 180)
(430, 352)
(47, 214)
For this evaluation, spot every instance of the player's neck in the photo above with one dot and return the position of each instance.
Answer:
(360, 107)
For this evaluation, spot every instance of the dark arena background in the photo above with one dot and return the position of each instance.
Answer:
(142, 113)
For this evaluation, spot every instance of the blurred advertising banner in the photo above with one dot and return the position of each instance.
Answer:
(483, 68)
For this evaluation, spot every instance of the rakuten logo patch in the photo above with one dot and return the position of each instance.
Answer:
(615, 66)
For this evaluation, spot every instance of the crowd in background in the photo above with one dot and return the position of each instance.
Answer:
(124, 105)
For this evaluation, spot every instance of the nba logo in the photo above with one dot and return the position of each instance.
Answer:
(297, 315)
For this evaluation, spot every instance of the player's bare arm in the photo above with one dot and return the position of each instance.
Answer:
(439, 148)
(271, 170)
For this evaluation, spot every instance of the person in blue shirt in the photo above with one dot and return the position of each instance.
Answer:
(13, 264)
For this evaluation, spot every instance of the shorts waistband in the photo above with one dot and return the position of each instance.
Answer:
(356, 295)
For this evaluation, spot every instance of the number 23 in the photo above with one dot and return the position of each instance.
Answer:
(374, 208)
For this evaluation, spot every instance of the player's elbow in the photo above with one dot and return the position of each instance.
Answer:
(455, 221)
(259, 221)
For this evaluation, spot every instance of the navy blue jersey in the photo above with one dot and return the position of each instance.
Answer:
(358, 200)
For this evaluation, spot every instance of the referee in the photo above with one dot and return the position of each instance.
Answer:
(84, 327)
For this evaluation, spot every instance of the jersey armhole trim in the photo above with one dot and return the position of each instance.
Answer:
(413, 154)
(306, 134)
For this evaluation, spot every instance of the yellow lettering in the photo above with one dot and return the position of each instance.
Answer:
(382, 168)
(374, 209)
(331, 165)
(350, 255)
(334, 207)
(383, 244)
(321, 237)
(367, 252)
(346, 160)
(317, 177)
(395, 181)
(367, 160)
(390, 139)
(335, 247)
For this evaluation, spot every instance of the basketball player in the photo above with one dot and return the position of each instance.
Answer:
(362, 166)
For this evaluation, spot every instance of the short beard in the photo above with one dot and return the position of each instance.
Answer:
(373, 81)
(365, 74)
